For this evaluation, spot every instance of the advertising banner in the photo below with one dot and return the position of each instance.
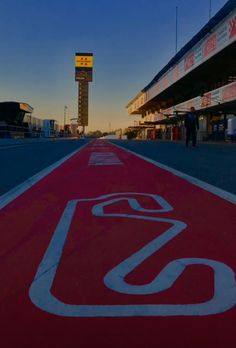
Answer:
(210, 45)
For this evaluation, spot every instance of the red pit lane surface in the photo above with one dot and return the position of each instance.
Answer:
(104, 230)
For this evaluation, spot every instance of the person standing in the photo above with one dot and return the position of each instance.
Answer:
(191, 124)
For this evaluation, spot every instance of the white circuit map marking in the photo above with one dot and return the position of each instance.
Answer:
(224, 297)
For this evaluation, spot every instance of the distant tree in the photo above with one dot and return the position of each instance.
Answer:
(131, 134)
(94, 134)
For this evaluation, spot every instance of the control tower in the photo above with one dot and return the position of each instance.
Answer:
(84, 75)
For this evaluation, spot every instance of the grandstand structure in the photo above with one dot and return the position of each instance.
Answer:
(17, 121)
(14, 119)
(202, 74)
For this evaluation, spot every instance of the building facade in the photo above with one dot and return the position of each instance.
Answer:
(202, 74)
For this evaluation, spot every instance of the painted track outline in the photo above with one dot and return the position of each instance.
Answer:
(224, 279)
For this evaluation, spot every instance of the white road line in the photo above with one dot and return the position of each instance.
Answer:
(11, 146)
(228, 196)
(11, 195)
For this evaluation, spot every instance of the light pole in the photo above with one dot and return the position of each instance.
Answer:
(176, 29)
(65, 108)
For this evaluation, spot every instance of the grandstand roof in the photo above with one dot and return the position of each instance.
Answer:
(220, 15)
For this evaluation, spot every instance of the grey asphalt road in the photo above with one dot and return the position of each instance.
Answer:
(20, 162)
(212, 163)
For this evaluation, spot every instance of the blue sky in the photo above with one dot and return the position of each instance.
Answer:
(131, 41)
